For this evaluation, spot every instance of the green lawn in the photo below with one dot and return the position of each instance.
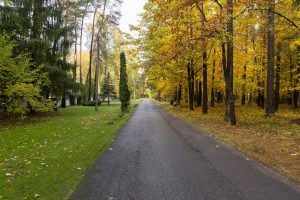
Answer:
(46, 158)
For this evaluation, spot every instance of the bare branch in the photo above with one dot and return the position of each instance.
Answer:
(201, 10)
(219, 4)
(265, 9)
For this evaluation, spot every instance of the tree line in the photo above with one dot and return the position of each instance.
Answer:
(243, 52)
(42, 47)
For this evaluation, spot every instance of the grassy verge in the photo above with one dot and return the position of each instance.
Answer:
(136, 100)
(45, 158)
(274, 141)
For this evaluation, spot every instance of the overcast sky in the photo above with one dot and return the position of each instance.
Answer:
(130, 10)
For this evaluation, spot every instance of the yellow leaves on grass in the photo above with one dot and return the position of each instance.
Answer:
(9, 174)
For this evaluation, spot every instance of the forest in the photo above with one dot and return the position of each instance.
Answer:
(60, 51)
(202, 52)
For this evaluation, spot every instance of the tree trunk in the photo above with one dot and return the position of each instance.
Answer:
(245, 74)
(230, 112)
(75, 62)
(219, 96)
(295, 99)
(97, 74)
(63, 100)
(91, 56)
(200, 94)
(75, 52)
(80, 56)
(190, 71)
(179, 93)
(277, 85)
(204, 56)
(244, 86)
(212, 95)
(205, 91)
(245, 70)
(270, 109)
(197, 91)
(253, 74)
(65, 5)
(261, 94)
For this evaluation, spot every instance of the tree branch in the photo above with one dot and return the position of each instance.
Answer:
(219, 4)
(201, 10)
(265, 9)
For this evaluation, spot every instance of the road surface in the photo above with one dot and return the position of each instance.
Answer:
(159, 157)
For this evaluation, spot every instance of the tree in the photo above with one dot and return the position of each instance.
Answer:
(270, 106)
(97, 74)
(204, 57)
(20, 86)
(91, 56)
(175, 47)
(83, 13)
(108, 89)
(228, 69)
(124, 90)
(39, 29)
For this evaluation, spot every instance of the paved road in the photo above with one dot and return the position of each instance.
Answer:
(158, 157)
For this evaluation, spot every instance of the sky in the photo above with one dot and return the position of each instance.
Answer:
(130, 10)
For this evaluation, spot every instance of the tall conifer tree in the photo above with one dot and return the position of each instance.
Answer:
(124, 91)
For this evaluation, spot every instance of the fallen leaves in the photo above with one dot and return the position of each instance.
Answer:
(274, 141)
(9, 175)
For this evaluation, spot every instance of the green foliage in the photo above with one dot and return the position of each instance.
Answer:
(108, 88)
(124, 91)
(20, 85)
(59, 79)
(37, 28)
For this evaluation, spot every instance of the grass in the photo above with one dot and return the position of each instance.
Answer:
(136, 100)
(274, 141)
(46, 157)
(133, 101)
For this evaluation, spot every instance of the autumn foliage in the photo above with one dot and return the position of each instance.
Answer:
(199, 52)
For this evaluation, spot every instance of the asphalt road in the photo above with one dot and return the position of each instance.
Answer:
(159, 157)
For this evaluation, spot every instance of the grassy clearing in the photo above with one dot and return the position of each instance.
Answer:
(274, 141)
(45, 158)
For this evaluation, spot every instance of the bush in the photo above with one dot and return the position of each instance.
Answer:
(20, 83)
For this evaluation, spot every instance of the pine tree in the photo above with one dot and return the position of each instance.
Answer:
(37, 28)
(108, 88)
(124, 91)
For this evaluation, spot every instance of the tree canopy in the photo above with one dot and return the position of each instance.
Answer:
(240, 52)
